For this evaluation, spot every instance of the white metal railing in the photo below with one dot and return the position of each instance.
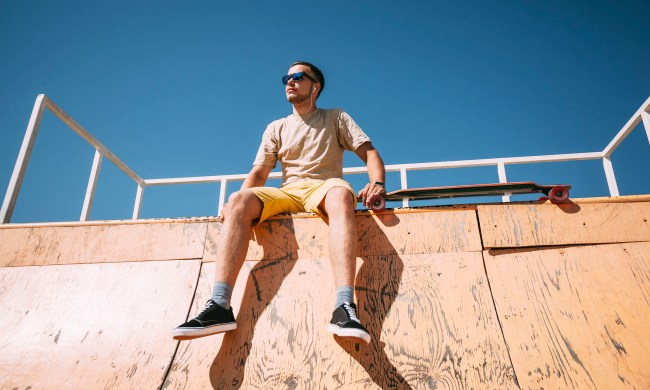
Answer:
(43, 102)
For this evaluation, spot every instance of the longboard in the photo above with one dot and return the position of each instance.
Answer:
(556, 193)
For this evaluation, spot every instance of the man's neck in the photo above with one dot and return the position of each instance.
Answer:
(304, 108)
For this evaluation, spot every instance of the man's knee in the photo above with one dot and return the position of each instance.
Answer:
(339, 199)
(245, 203)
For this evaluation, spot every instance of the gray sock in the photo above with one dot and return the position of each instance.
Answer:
(221, 294)
(344, 294)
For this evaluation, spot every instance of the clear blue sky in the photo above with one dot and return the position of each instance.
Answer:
(186, 89)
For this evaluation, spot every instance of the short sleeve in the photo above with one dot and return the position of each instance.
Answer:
(267, 154)
(349, 133)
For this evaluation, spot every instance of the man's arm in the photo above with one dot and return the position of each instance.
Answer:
(376, 172)
(257, 176)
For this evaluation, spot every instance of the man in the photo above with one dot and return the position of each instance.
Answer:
(309, 145)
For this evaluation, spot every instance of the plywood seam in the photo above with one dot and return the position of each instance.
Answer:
(498, 317)
(294, 258)
(187, 316)
(536, 248)
(44, 264)
(116, 222)
(205, 241)
(170, 365)
(97, 263)
(480, 232)
(420, 209)
(470, 206)
(613, 199)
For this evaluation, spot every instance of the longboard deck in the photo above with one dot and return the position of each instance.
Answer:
(555, 192)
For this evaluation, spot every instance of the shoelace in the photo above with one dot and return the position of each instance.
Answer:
(351, 313)
(208, 305)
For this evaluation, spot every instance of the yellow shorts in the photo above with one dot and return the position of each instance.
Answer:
(302, 196)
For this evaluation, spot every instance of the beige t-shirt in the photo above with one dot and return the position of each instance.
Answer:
(310, 146)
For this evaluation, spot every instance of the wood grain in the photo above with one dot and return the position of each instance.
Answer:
(101, 243)
(427, 231)
(431, 318)
(576, 317)
(93, 325)
(531, 225)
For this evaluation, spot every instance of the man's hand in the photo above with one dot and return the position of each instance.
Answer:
(376, 174)
(224, 212)
(371, 192)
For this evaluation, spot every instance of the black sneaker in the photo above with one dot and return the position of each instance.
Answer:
(213, 319)
(345, 323)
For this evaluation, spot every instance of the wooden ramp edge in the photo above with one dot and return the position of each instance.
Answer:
(518, 295)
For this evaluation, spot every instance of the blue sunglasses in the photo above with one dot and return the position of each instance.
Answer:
(296, 77)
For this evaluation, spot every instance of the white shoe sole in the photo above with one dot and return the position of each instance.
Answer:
(356, 334)
(195, 333)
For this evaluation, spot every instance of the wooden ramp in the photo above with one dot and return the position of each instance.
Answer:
(502, 296)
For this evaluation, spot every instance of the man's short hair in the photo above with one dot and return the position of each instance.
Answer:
(317, 73)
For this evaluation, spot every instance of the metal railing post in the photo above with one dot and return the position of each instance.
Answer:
(501, 168)
(23, 159)
(138, 202)
(404, 185)
(222, 195)
(92, 186)
(611, 179)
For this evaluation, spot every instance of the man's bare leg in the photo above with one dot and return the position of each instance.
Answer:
(244, 207)
(339, 206)
(343, 235)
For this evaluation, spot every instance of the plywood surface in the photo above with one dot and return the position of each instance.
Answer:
(578, 317)
(91, 326)
(525, 225)
(431, 318)
(388, 233)
(101, 243)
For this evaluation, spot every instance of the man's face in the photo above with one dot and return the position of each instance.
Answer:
(299, 91)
